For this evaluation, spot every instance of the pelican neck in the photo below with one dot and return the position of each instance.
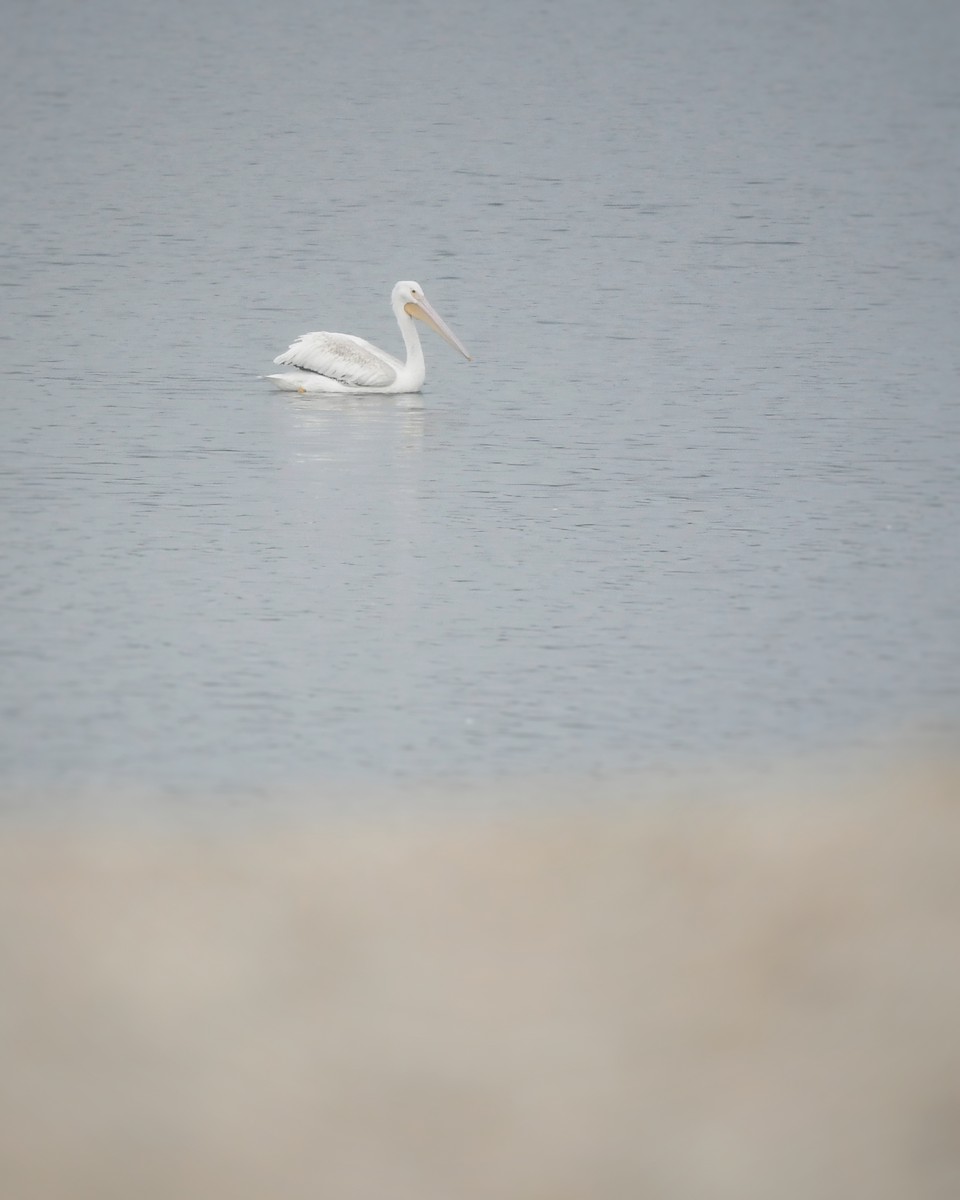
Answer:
(411, 340)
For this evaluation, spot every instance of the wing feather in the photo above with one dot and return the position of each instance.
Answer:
(340, 356)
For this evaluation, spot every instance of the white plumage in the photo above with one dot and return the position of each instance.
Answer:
(340, 356)
(340, 362)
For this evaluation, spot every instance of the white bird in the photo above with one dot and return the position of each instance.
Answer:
(340, 362)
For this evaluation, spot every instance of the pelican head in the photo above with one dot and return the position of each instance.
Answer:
(408, 297)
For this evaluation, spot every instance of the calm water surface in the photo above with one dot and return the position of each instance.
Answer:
(696, 497)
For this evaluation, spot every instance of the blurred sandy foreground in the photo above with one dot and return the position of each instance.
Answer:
(720, 995)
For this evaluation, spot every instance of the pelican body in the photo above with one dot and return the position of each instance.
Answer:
(340, 362)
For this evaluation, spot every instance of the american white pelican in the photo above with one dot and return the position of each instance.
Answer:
(340, 362)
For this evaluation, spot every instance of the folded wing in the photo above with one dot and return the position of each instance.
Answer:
(340, 356)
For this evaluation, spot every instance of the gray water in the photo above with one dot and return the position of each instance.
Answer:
(696, 497)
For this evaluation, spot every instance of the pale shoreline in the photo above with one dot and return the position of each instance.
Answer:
(744, 993)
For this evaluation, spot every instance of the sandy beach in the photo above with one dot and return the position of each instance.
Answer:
(729, 995)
